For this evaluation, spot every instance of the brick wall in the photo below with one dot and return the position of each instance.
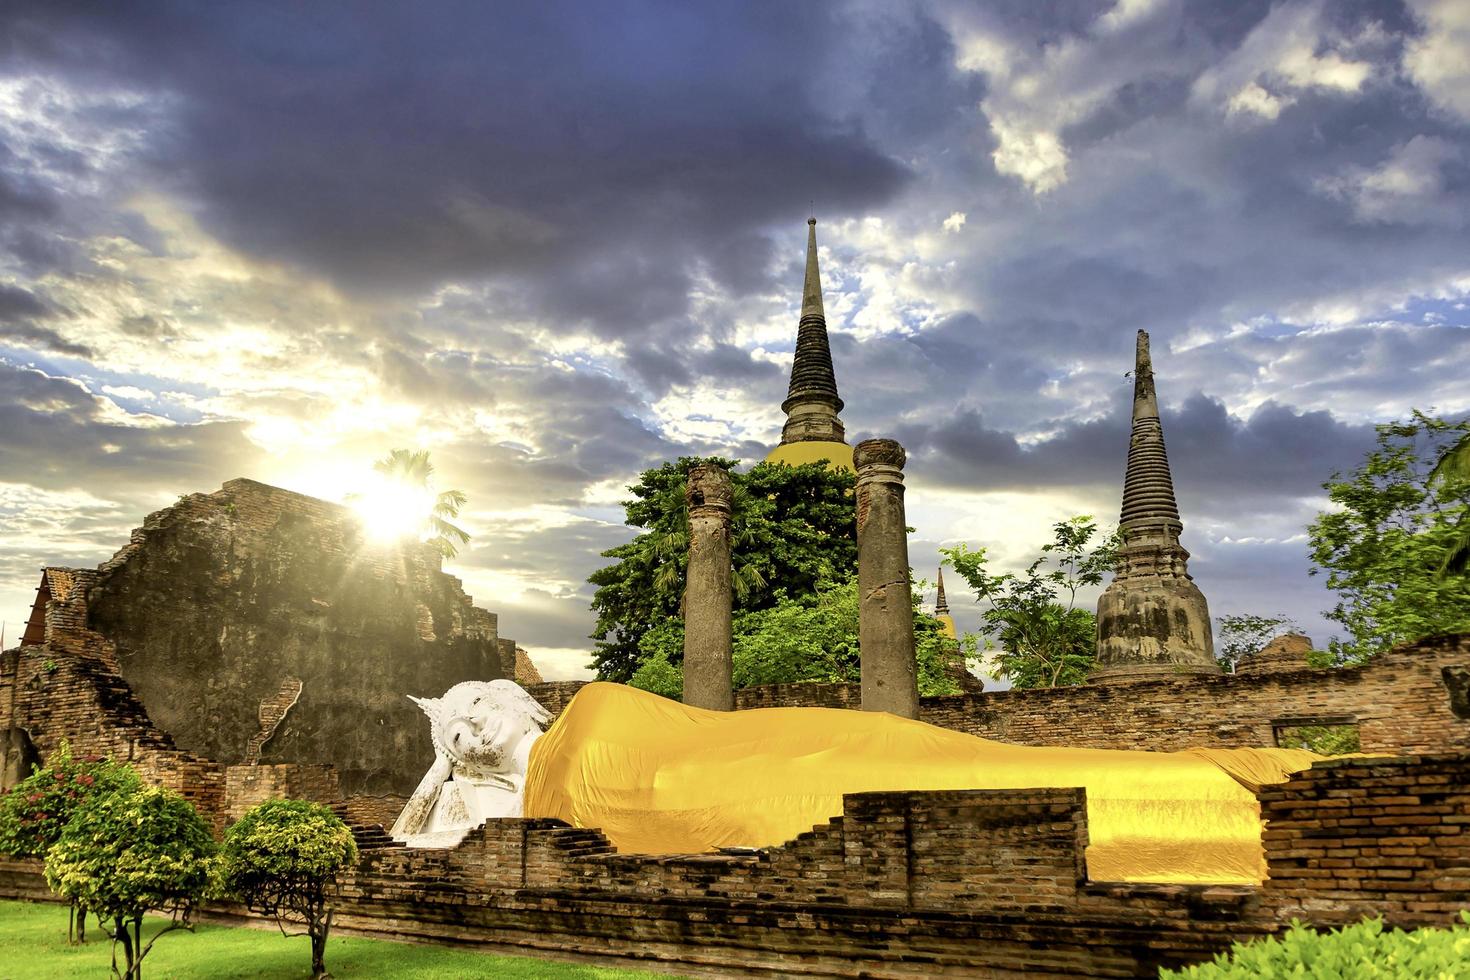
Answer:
(82, 701)
(1389, 836)
(1402, 701)
(902, 885)
(964, 883)
(246, 786)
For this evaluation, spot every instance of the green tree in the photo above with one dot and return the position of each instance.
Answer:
(127, 853)
(412, 468)
(33, 814)
(1238, 637)
(1453, 469)
(1392, 528)
(804, 638)
(792, 527)
(282, 859)
(1044, 638)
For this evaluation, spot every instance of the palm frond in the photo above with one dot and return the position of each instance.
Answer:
(1457, 559)
(1454, 464)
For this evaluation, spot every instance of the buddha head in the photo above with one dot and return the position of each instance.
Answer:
(485, 727)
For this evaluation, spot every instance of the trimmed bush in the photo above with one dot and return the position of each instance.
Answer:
(127, 853)
(1357, 952)
(282, 859)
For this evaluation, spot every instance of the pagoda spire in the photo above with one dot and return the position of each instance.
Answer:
(941, 604)
(1148, 488)
(1152, 620)
(812, 402)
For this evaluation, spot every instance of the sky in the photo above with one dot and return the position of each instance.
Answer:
(555, 244)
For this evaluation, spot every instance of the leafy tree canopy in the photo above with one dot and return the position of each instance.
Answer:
(1043, 638)
(282, 859)
(130, 852)
(792, 527)
(33, 814)
(804, 638)
(1391, 531)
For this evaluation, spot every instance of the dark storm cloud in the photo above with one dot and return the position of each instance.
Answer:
(595, 152)
(20, 309)
(55, 435)
(1222, 463)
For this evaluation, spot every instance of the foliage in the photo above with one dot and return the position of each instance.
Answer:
(806, 638)
(1361, 951)
(1391, 530)
(1238, 637)
(1044, 639)
(33, 814)
(130, 852)
(28, 949)
(282, 859)
(792, 527)
(412, 467)
(1453, 468)
(1321, 739)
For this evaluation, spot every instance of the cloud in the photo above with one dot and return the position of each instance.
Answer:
(1410, 187)
(555, 247)
(1438, 60)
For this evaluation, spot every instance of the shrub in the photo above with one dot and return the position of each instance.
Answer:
(33, 814)
(1365, 950)
(127, 853)
(282, 859)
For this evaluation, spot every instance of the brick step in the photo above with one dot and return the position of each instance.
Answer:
(369, 837)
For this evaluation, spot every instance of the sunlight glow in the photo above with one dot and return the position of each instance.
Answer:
(392, 509)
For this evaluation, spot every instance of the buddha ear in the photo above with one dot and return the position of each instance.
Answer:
(430, 706)
(434, 708)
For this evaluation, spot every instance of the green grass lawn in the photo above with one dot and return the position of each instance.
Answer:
(33, 947)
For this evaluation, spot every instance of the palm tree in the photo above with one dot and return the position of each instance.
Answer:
(1454, 467)
(413, 468)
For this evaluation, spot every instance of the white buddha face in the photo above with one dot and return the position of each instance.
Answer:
(481, 725)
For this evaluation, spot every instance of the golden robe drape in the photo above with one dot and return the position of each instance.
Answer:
(658, 777)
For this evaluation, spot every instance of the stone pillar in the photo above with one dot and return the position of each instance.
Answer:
(707, 663)
(886, 613)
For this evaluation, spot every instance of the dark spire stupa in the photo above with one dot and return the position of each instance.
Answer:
(1152, 620)
(941, 610)
(813, 429)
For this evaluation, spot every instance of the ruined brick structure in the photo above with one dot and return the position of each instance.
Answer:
(256, 624)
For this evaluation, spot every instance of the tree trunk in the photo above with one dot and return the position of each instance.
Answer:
(120, 934)
(320, 928)
(135, 968)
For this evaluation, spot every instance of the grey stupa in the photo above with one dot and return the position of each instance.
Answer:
(1152, 620)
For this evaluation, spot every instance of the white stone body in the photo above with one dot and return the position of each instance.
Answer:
(482, 733)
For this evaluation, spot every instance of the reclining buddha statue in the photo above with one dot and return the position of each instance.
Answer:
(659, 777)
